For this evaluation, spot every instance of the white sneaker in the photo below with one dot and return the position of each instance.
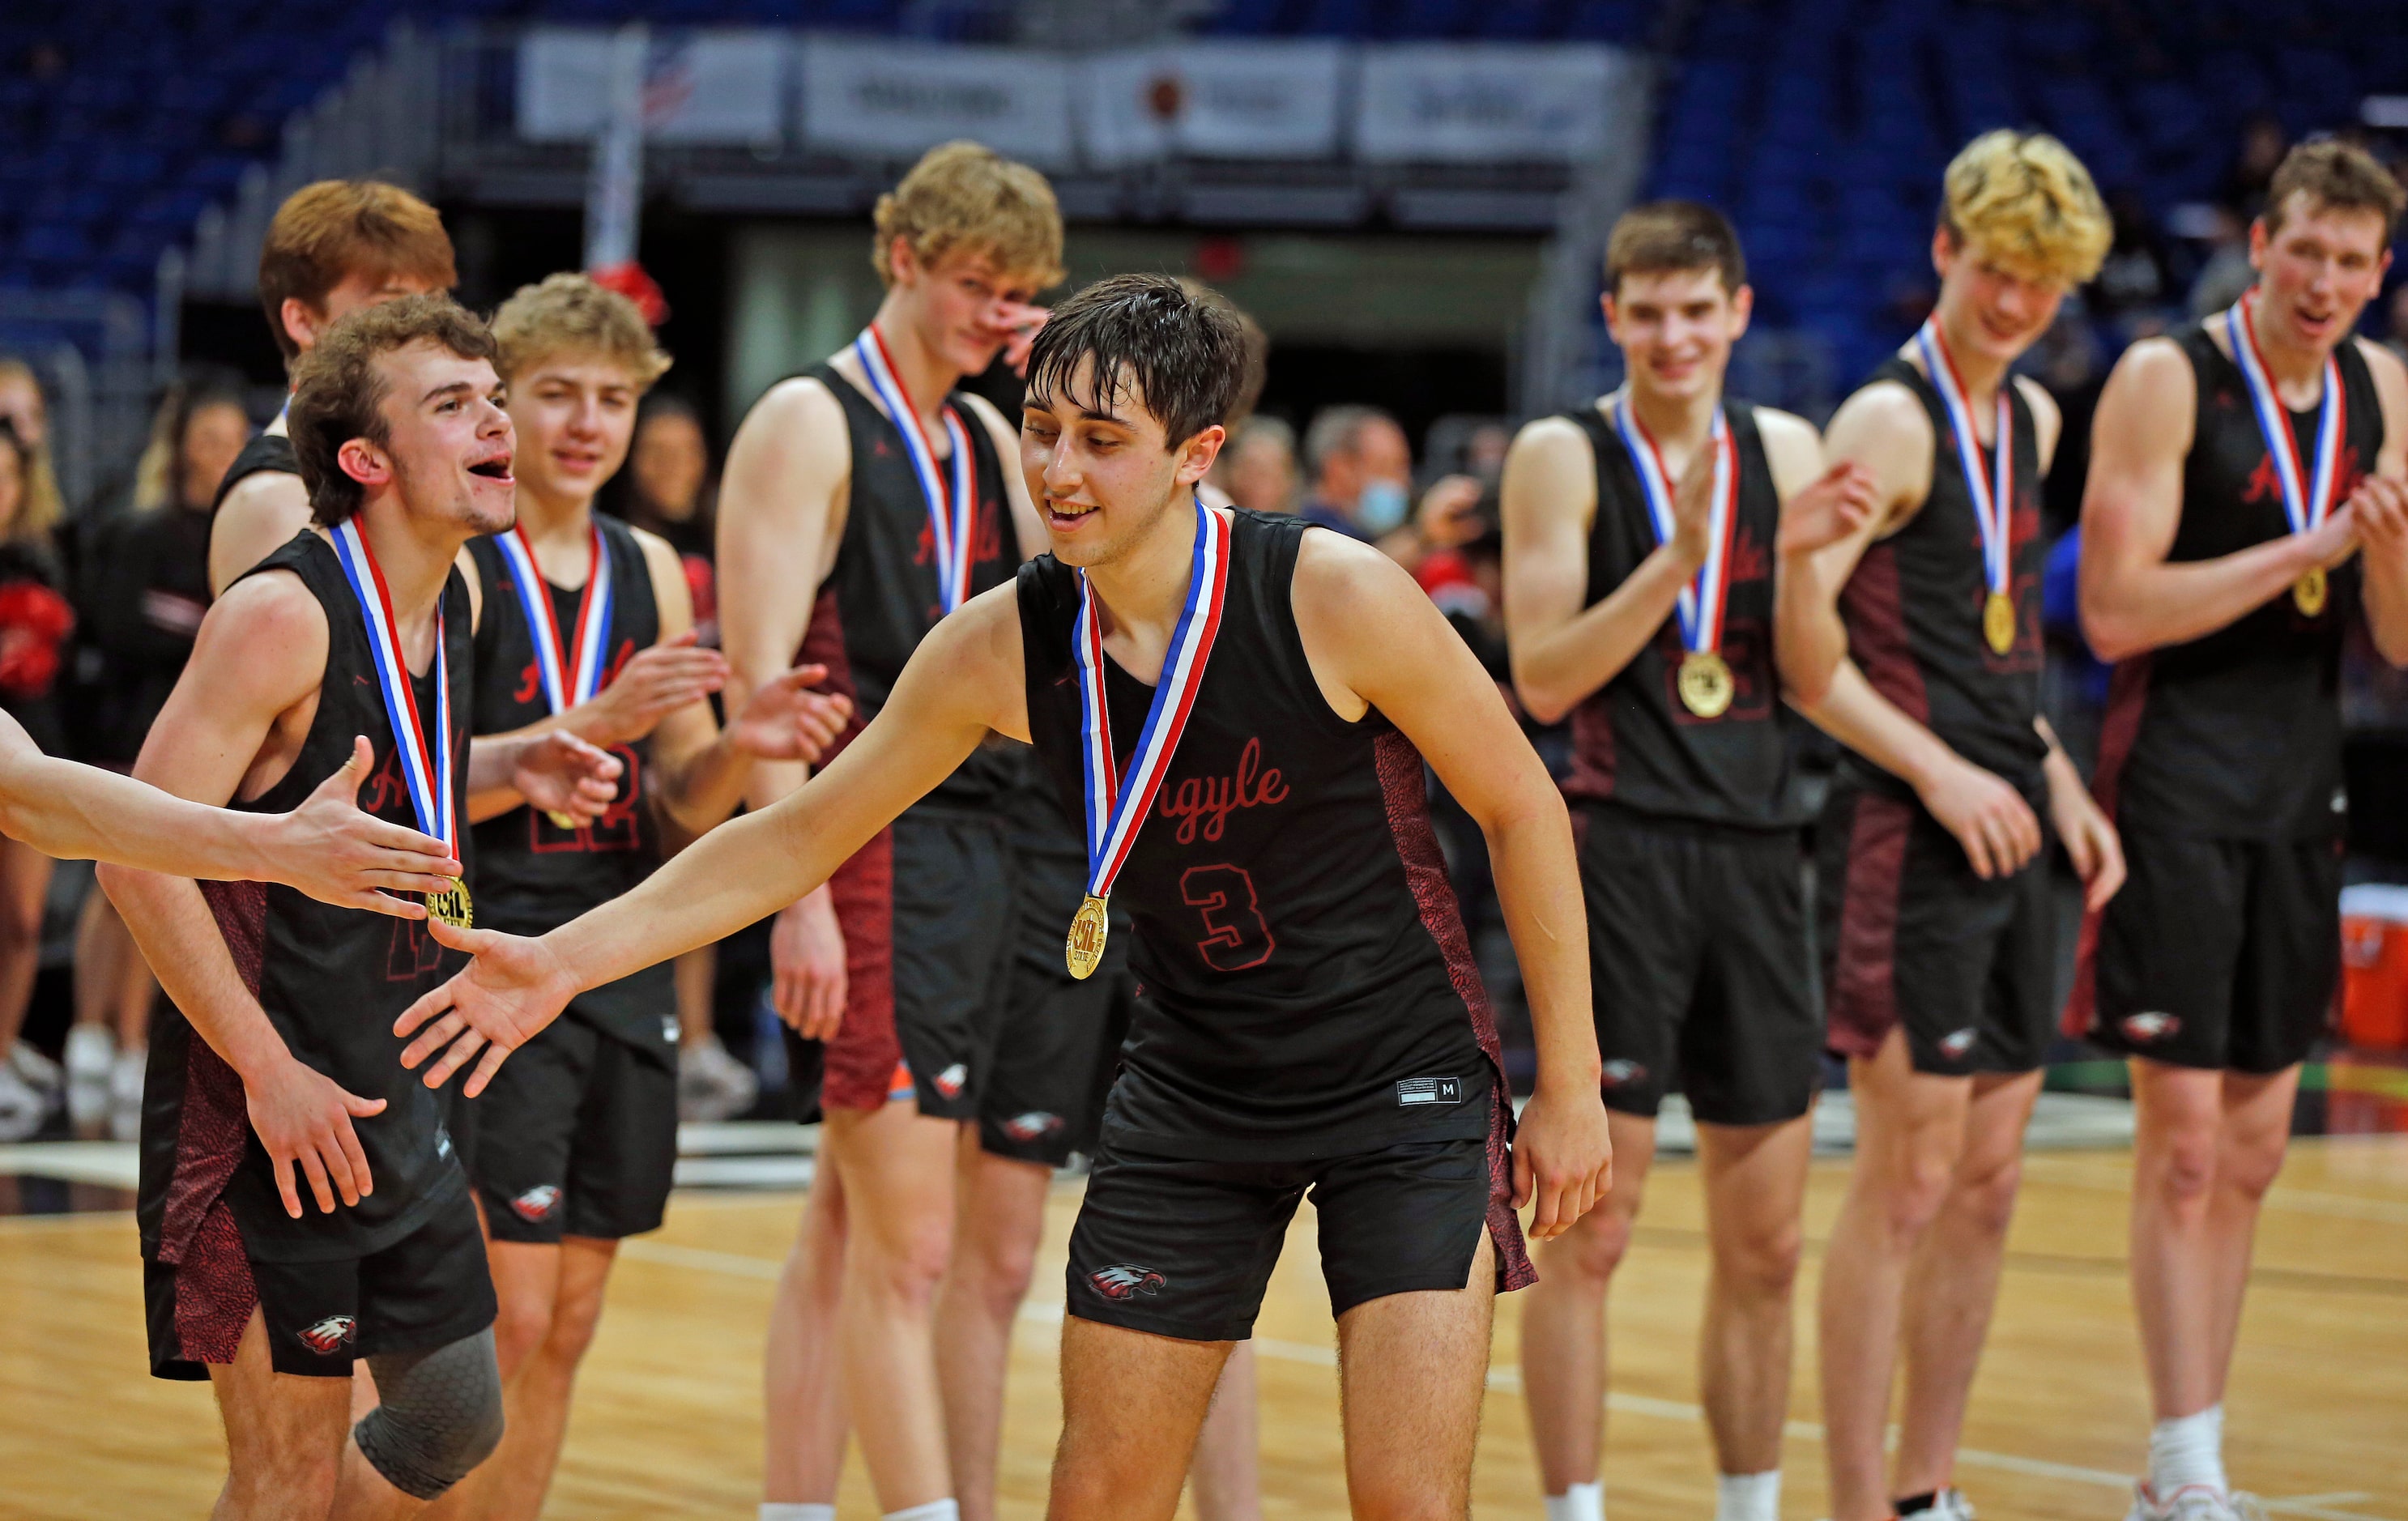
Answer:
(125, 1094)
(2194, 1503)
(711, 1084)
(21, 1108)
(92, 1051)
(41, 1074)
(1952, 1505)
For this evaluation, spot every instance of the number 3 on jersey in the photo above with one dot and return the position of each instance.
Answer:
(1235, 934)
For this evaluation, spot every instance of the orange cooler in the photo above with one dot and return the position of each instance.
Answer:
(2375, 967)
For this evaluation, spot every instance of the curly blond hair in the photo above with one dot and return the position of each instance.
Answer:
(2023, 200)
(569, 311)
(967, 195)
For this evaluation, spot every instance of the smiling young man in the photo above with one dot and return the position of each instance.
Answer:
(1914, 640)
(587, 627)
(2244, 505)
(863, 501)
(360, 628)
(1311, 1016)
(1640, 547)
(334, 246)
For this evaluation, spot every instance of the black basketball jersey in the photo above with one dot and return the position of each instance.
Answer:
(1914, 608)
(2237, 733)
(532, 875)
(1634, 742)
(1308, 988)
(265, 454)
(880, 597)
(331, 981)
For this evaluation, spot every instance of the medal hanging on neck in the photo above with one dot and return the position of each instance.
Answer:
(1993, 498)
(1704, 681)
(425, 769)
(953, 515)
(2307, 499)
(1116, 803)
(566, 680)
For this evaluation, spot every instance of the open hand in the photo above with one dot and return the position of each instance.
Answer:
(301, 1116)
(330, 850)
(1836, 506)
(785, 721)
(652, 685)
(2090, 842)
(1563, 1157)
(1988, 817)
(497, 1003)
(807, 984)
(557, 772)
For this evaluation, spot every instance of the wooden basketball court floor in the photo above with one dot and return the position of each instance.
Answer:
(668, 1416)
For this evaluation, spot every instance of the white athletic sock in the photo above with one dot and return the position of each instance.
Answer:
(1581, 1502)
(2187, 1450)
(936, 1509)
(796, 1511)
(1748, 1496)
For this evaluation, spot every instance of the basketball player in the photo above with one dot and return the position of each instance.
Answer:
(362, 628)
(1915, 641)
(862, 501)
(1639, 540)
(1310, 1018)
(334, 246)
(2245, 505)
(574, 1147)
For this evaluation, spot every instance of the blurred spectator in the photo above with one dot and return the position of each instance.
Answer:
(2263, 143)
(2395, 320)
(2138, 274)
(24, 406)
(140, 587)
(1362, 472)
(34, 621)
(1258, 468)
(2228, 272)
(667, 489)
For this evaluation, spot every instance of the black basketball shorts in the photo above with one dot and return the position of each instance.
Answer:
(1061, 1036)
(1700, 964)
(2219, 953)
(576, 1136)
(1911, 940)
(428, 1289)
(926, 908)
(1184, 1248)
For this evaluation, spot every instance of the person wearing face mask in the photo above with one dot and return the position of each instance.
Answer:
(1362, 472)
(1914, 640)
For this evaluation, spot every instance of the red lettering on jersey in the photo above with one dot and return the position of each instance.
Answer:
(530, 686)
(2266, 486)
(1748, 561)
(1202, 805)
(384, 788)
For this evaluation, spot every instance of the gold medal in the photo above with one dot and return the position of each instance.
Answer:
(1705, 683)
(1999, 622)
(2310, 591)
(452, 905)
(1088, 927)
(561, 821)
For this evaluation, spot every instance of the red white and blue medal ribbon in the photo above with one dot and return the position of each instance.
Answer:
(953, 515)
(1993, 496)
(1117, 802)
(425, 768)
(1701, 602)
(567, 677)
(2307, 498)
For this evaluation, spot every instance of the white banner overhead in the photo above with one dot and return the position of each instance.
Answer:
(898, 99)
(699, 87)
(1468, 103)
(1279, 100)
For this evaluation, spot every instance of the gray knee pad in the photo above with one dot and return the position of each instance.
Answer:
(440, 1415)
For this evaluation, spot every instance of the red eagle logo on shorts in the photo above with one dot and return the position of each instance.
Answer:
(330, 1335)
(1621, 1070)
(949, 1081)
(1958, 1044)
(536, 1203)
(1032, 1125)
(1126, 1281)
(2149, 1026)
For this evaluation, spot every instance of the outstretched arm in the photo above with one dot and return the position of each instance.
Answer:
(964, 680)
(1374, 640)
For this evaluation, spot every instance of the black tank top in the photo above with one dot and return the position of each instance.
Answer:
(331, 981)
(266, 453)
(1307, 985)
(1634, 743)
(532, 875)
(880, 597)
(1913, 610)
(2237, 734)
